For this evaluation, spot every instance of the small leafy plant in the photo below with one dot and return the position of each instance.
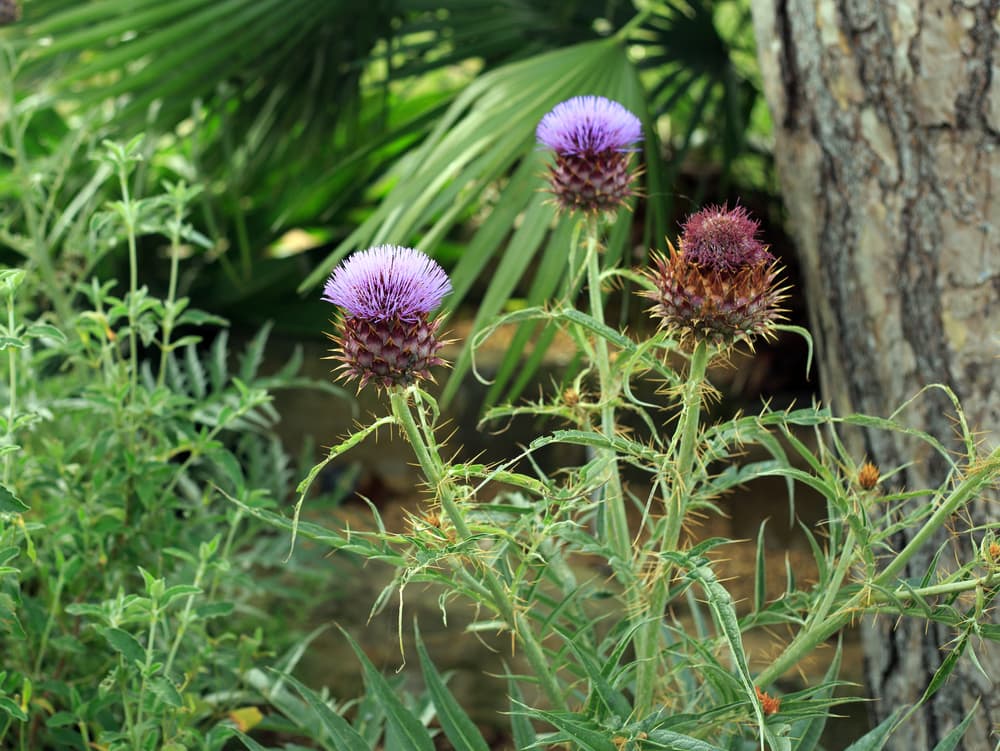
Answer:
(669, 667)
(130, 588)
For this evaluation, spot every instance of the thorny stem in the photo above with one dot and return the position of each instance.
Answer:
(617, 532)
(433, 472)
(871, 596)
(958, 498)
(648, 635)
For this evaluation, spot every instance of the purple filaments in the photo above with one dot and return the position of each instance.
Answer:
(723, 239)
(388, 282)
(589, 125)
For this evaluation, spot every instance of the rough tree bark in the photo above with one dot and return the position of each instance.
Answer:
(887, 122)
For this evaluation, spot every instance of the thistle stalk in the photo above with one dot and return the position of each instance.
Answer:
(617, 532)
(648, 636)
(434, 472)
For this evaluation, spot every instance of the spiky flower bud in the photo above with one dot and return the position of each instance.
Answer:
(721, 285)
(387, 294)
(868, 476)
(593, 139)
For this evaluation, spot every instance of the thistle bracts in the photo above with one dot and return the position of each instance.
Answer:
(387, 336)
(389, 353)
(592, 138)
(722, 285)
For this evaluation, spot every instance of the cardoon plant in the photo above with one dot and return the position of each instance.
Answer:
(667, 665)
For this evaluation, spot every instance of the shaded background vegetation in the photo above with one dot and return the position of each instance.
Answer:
(320, 127)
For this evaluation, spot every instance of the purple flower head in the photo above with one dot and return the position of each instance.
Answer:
(388, 282)
(723, 239)
(589, 125)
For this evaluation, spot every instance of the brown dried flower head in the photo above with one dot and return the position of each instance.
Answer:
(722, 284)
(770, 704)
(868, 476)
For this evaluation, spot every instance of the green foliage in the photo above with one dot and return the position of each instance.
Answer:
(430, 106)
(124, 592)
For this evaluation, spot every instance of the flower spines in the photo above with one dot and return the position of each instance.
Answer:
(592, 138)
(722, 285)
(388, 353)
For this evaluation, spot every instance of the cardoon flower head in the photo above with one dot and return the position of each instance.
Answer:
(722, 284)
(387, 294)
(592, 138)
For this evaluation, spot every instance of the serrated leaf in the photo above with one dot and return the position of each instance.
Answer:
(166, 692)
(8, 706)
(955, 735)
(578, 730)
(250, 743)
(124, 643)
(680, 742)
(10, 503)
(521, 727)
(809, 731)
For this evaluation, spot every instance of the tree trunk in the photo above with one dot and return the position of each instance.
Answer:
(887, 122)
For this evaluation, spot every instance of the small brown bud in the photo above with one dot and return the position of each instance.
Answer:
(770, 704)
(571, 396)
(868, 476)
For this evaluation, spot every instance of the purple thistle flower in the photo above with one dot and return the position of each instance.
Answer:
(589, 125)
(388, 282)
(723, 239)
(387, 293)
(592, 138)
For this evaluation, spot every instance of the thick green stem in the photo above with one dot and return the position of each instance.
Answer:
(434, 473)
(617, 533)
(648, 636)
(960, 496)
